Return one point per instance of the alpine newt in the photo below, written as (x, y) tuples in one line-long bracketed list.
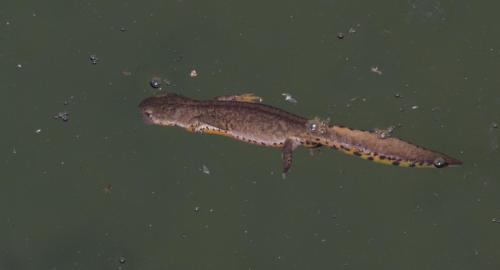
[(245, 119)]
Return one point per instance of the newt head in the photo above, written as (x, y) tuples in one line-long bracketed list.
[(149, 110), (163, 109)]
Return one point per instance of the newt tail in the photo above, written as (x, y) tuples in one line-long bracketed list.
[(390, 151)]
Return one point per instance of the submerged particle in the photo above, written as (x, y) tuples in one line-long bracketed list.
[(38, 131), (317, 125), (155, 83), (126, 72), (108, 189), (289, 98), (122, 260), (494, 125), (383, 133), (439, 162), (93, 59), (168, 82), (178, 58), (376, 69), (193, 73), (340, 35), (196, 209), (205, 169), (69, 100), (397, 95), (414, 107), (312, 127), (64, 116)]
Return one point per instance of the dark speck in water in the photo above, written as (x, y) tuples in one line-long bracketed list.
[(93, 59), (155, 83)]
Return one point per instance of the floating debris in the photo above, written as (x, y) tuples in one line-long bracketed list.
[(350, 31), (64, 116), (376, 69), (122, 260), (178, 58), (493, 136), (196, 209), (318, 126), (289, 98), (69, 100), (167, 82), (126, 72), (155, 82), (108, 188), (385, 132), (193, 73), (19, 66), (496, 220), (93, 59), (38, 131), (205, 169), (397, 95), (414, 107)]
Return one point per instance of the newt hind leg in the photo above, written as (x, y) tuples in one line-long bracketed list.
[(287, 153), (246, 97)]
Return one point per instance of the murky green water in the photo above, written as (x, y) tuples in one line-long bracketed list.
[(104, 191)]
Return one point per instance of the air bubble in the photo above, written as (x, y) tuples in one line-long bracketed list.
[(122, 260), (155, 83), (439, 162)]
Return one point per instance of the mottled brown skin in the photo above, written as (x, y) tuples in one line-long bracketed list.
[(265, 125)]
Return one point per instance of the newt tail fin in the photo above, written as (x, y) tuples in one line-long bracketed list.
[(371, 146)]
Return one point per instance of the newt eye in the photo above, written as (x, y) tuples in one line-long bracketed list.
[(149, 114)]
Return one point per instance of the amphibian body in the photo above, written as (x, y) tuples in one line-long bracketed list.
[(245, 119)]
